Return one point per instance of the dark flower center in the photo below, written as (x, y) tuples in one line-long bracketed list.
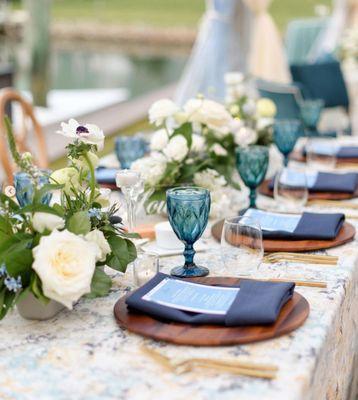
[(82, 131)]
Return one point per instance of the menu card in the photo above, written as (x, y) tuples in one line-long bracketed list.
[(192, 297), (270, 221), (324, 149)]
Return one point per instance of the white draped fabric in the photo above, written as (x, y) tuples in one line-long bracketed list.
[(221, 46), (267, 59)]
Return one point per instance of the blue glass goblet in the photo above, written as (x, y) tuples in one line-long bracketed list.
[(25, 187), (310, 111), (252, 164), (285, 135), (188, 212), (129, 149)]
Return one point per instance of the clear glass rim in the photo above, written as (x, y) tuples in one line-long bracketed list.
[(202, 192), (233, 221)]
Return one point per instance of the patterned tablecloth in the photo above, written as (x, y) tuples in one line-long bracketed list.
[(83, 354)]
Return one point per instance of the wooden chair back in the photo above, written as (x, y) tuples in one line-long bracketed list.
[(29, 125)]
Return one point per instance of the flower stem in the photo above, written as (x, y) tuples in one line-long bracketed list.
[(93, 178)]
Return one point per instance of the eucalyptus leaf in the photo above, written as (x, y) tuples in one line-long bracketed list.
[(79, 223)]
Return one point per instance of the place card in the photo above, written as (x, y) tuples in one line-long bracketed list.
[(270, 221), (192, 297), (294, 178), (324, 149)]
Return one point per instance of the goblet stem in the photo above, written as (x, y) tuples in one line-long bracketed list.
[(189, 253), (286, 160), (253, 198), (130, 212)]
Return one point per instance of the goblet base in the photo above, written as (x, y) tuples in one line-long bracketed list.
[(189, 272)]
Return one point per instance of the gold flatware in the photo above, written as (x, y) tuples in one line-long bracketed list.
[(298, 282), (266, 371), (304, 258), (334, 203)]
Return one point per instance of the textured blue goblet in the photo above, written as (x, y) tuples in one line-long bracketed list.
[(285, 135), (252, 163), (129, 149), (25, 187), (310, 111), (188, 212)]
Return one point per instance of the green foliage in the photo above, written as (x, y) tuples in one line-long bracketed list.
[(79, 223), (123, 252), (101, 284)]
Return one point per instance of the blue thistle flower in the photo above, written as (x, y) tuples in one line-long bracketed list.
[(3, 270), (13, 284), (94, 213)]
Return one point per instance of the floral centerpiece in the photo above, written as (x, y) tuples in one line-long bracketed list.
[(58, 252)]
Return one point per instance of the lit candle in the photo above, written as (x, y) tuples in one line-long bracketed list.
[(127, 178)]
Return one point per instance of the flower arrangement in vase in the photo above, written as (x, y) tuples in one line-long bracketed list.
[(58, 252)]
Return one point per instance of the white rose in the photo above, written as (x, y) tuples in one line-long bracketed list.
[(159, 140), (65, 264), (218, 150), (151, 168), (210, 113), (88, 133), (160, 110), (177, 148), (245, 136), (233, 78), (42, 221), (198, 143), (97, 237)]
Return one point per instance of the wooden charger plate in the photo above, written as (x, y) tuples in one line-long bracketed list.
[(298, 156), (293, 315), (266, 191), (346, 234)]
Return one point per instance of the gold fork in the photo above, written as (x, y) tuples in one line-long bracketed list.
[(266, 371), (304, 258)]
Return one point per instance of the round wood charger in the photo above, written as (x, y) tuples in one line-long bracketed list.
[(298, 156), (346, 234), (292, 315), (266, 191)]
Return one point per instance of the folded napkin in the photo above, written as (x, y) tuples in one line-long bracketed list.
[(316, 226), (106, 175), (342, 152), (257, 303), (331, 182)]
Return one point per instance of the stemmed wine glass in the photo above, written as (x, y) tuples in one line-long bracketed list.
[(188, 212), (285, 135), (252, 164), (310, 111), (129, 149), (25, 187)]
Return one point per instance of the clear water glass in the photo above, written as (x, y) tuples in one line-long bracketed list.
[(241, 246), (310, 111), (188, 213), (145, 267), (286, 133), (291, 189), (132, 186), (25, 187), (252, 163), (321, 154), (129, 149)]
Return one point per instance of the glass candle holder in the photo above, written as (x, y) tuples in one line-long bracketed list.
[(188, 212), (132, 186), (145, 267), (130, 148), (252, 164), (25, 187), (286, 133)]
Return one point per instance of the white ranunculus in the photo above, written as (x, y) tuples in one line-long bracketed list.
[(97, 237), (82, 163), (68, 176), (65, 264), (151, 168), (266, 108), (159, 140), (209, 179), (210, 113), (161, 110), (218, 150), (198, 143), (177, 148), (42, 221), (181, 117), (249, 107), (233, 78), (245, 136), (88, 133)]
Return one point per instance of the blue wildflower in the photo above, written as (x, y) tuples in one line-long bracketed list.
[(3, 270), (13, 284), (94, 213)]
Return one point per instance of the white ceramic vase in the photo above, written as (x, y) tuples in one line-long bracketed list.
[(31, 308)]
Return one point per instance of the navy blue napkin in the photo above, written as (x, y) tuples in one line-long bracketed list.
[(257, 303), (314, 226), (331, 182), (106, 175), (348, 152)]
